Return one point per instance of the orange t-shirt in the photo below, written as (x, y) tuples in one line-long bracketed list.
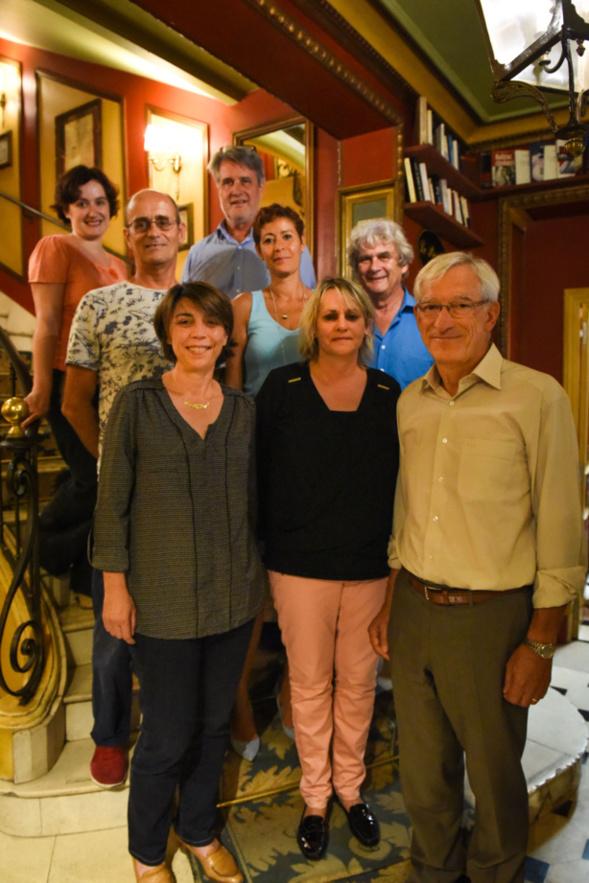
[(57, 259)]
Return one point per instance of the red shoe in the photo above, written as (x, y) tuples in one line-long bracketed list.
[(108, 767)]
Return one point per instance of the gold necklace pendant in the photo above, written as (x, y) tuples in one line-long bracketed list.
[(197, 406)]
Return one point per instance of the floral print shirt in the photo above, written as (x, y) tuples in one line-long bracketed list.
[(113, 334)]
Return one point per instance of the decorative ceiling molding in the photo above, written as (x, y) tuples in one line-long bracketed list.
[(340, 29), (290, 28)]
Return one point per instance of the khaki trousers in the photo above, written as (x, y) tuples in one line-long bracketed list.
[(324, 625), (448, 666)]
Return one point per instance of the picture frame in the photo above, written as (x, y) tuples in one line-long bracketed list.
[(78, 137), (6, 149), (361, 204), (187, 217)]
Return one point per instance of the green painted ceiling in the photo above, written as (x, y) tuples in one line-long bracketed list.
[(449, 34)]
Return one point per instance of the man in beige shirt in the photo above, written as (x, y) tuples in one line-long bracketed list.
[(486, 553)]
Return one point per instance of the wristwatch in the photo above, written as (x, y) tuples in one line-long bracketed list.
[(546, 651)]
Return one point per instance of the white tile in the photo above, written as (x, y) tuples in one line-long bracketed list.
[(74, 813), (26, 859), (569, 872), (94, 857), (556, 839), (574, 655), (583, 633)]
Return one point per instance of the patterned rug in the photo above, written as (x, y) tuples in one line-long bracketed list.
[(262, 805)]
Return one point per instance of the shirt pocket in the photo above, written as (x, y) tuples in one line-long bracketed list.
[(492, 471)]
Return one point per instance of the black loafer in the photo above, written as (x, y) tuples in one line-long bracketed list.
[(313, 836), (364, 824)]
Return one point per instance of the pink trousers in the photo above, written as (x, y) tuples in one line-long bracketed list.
[(324, 625)]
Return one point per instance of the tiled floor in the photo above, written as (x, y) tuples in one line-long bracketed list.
[(558, 852)]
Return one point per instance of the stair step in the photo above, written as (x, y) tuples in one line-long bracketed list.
[(79, 719), (77, 625), (64, 801)]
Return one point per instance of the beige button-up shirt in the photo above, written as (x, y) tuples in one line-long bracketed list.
[(488, 490)]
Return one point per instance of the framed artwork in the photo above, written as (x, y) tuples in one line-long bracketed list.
[(187, 218), (78, 137), (5, 150), (362, 204)]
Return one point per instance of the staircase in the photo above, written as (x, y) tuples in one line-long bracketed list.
[(65, 800)]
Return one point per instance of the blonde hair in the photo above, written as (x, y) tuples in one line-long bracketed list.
[(308, 346)]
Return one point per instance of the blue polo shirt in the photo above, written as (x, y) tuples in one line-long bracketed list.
[(401, 352), (233, 266)]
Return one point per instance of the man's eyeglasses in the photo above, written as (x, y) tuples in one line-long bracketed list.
[(458, 309), (142, 225)]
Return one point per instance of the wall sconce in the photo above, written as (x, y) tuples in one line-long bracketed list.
[(161, 151), (533, 39)]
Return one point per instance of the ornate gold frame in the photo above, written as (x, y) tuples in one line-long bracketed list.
[(349, 199)]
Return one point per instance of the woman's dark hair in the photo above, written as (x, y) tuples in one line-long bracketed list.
[(270, 212), (214, 304), (67, 190)]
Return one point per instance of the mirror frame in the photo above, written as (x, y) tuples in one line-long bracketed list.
[(246, 134)]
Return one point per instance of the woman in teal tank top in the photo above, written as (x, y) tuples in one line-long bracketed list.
[(266, 335), (267, 322)]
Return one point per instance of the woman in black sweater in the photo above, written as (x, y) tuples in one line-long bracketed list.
[(328, 457)]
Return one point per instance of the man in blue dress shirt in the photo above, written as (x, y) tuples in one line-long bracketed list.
[(380, 255), (227, 258)]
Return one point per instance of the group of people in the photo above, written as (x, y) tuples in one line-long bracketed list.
[(439, 526)]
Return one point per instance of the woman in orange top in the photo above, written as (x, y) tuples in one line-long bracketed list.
[(62, 269)]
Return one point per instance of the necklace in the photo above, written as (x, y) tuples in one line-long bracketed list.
[(285, 315), (196, 405)]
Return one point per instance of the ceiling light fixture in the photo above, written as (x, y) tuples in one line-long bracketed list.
[(532, 40)]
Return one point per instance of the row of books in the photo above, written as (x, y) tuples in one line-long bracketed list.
[(428, 130), (422, 187), (541, 161)]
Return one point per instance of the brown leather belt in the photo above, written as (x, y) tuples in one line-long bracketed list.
[(449, 597)]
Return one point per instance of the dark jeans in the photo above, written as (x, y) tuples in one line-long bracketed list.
[(111, 678), (65, 522), (187, 692)]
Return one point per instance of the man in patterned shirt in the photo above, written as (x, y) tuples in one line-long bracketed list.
[(112, 343)]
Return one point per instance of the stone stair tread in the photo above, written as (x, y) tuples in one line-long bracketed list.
[(74, 618), (70, 775), (80, 686)]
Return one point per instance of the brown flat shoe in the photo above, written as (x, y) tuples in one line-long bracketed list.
[(218, 865), (157, 874)]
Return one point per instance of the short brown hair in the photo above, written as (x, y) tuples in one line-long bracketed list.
[(269, 213), (213, 303), (67, 190)]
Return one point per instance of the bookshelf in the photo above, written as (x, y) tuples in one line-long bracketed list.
[(439, 165), (432, 216)]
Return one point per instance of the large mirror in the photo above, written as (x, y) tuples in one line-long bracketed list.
[(286, 152)]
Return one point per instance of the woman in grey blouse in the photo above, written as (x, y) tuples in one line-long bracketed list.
[(183, 580)]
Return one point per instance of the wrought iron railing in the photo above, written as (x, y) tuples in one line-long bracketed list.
[(26, 655)]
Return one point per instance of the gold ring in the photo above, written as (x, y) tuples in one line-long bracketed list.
[(534, 701)]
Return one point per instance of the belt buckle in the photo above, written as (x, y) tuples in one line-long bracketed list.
[(426, 590)]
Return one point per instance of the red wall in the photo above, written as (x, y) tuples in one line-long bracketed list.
[(137, 93), (555, 258)]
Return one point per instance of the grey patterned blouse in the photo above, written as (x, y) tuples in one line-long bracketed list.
[(175, 513)]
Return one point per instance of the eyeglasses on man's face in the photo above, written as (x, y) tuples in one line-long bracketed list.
[(142, 225), (458, 309)]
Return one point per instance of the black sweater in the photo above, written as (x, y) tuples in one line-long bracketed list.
[(326, 478)]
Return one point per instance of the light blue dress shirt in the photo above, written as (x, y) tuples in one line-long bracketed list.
[(233, 266)]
